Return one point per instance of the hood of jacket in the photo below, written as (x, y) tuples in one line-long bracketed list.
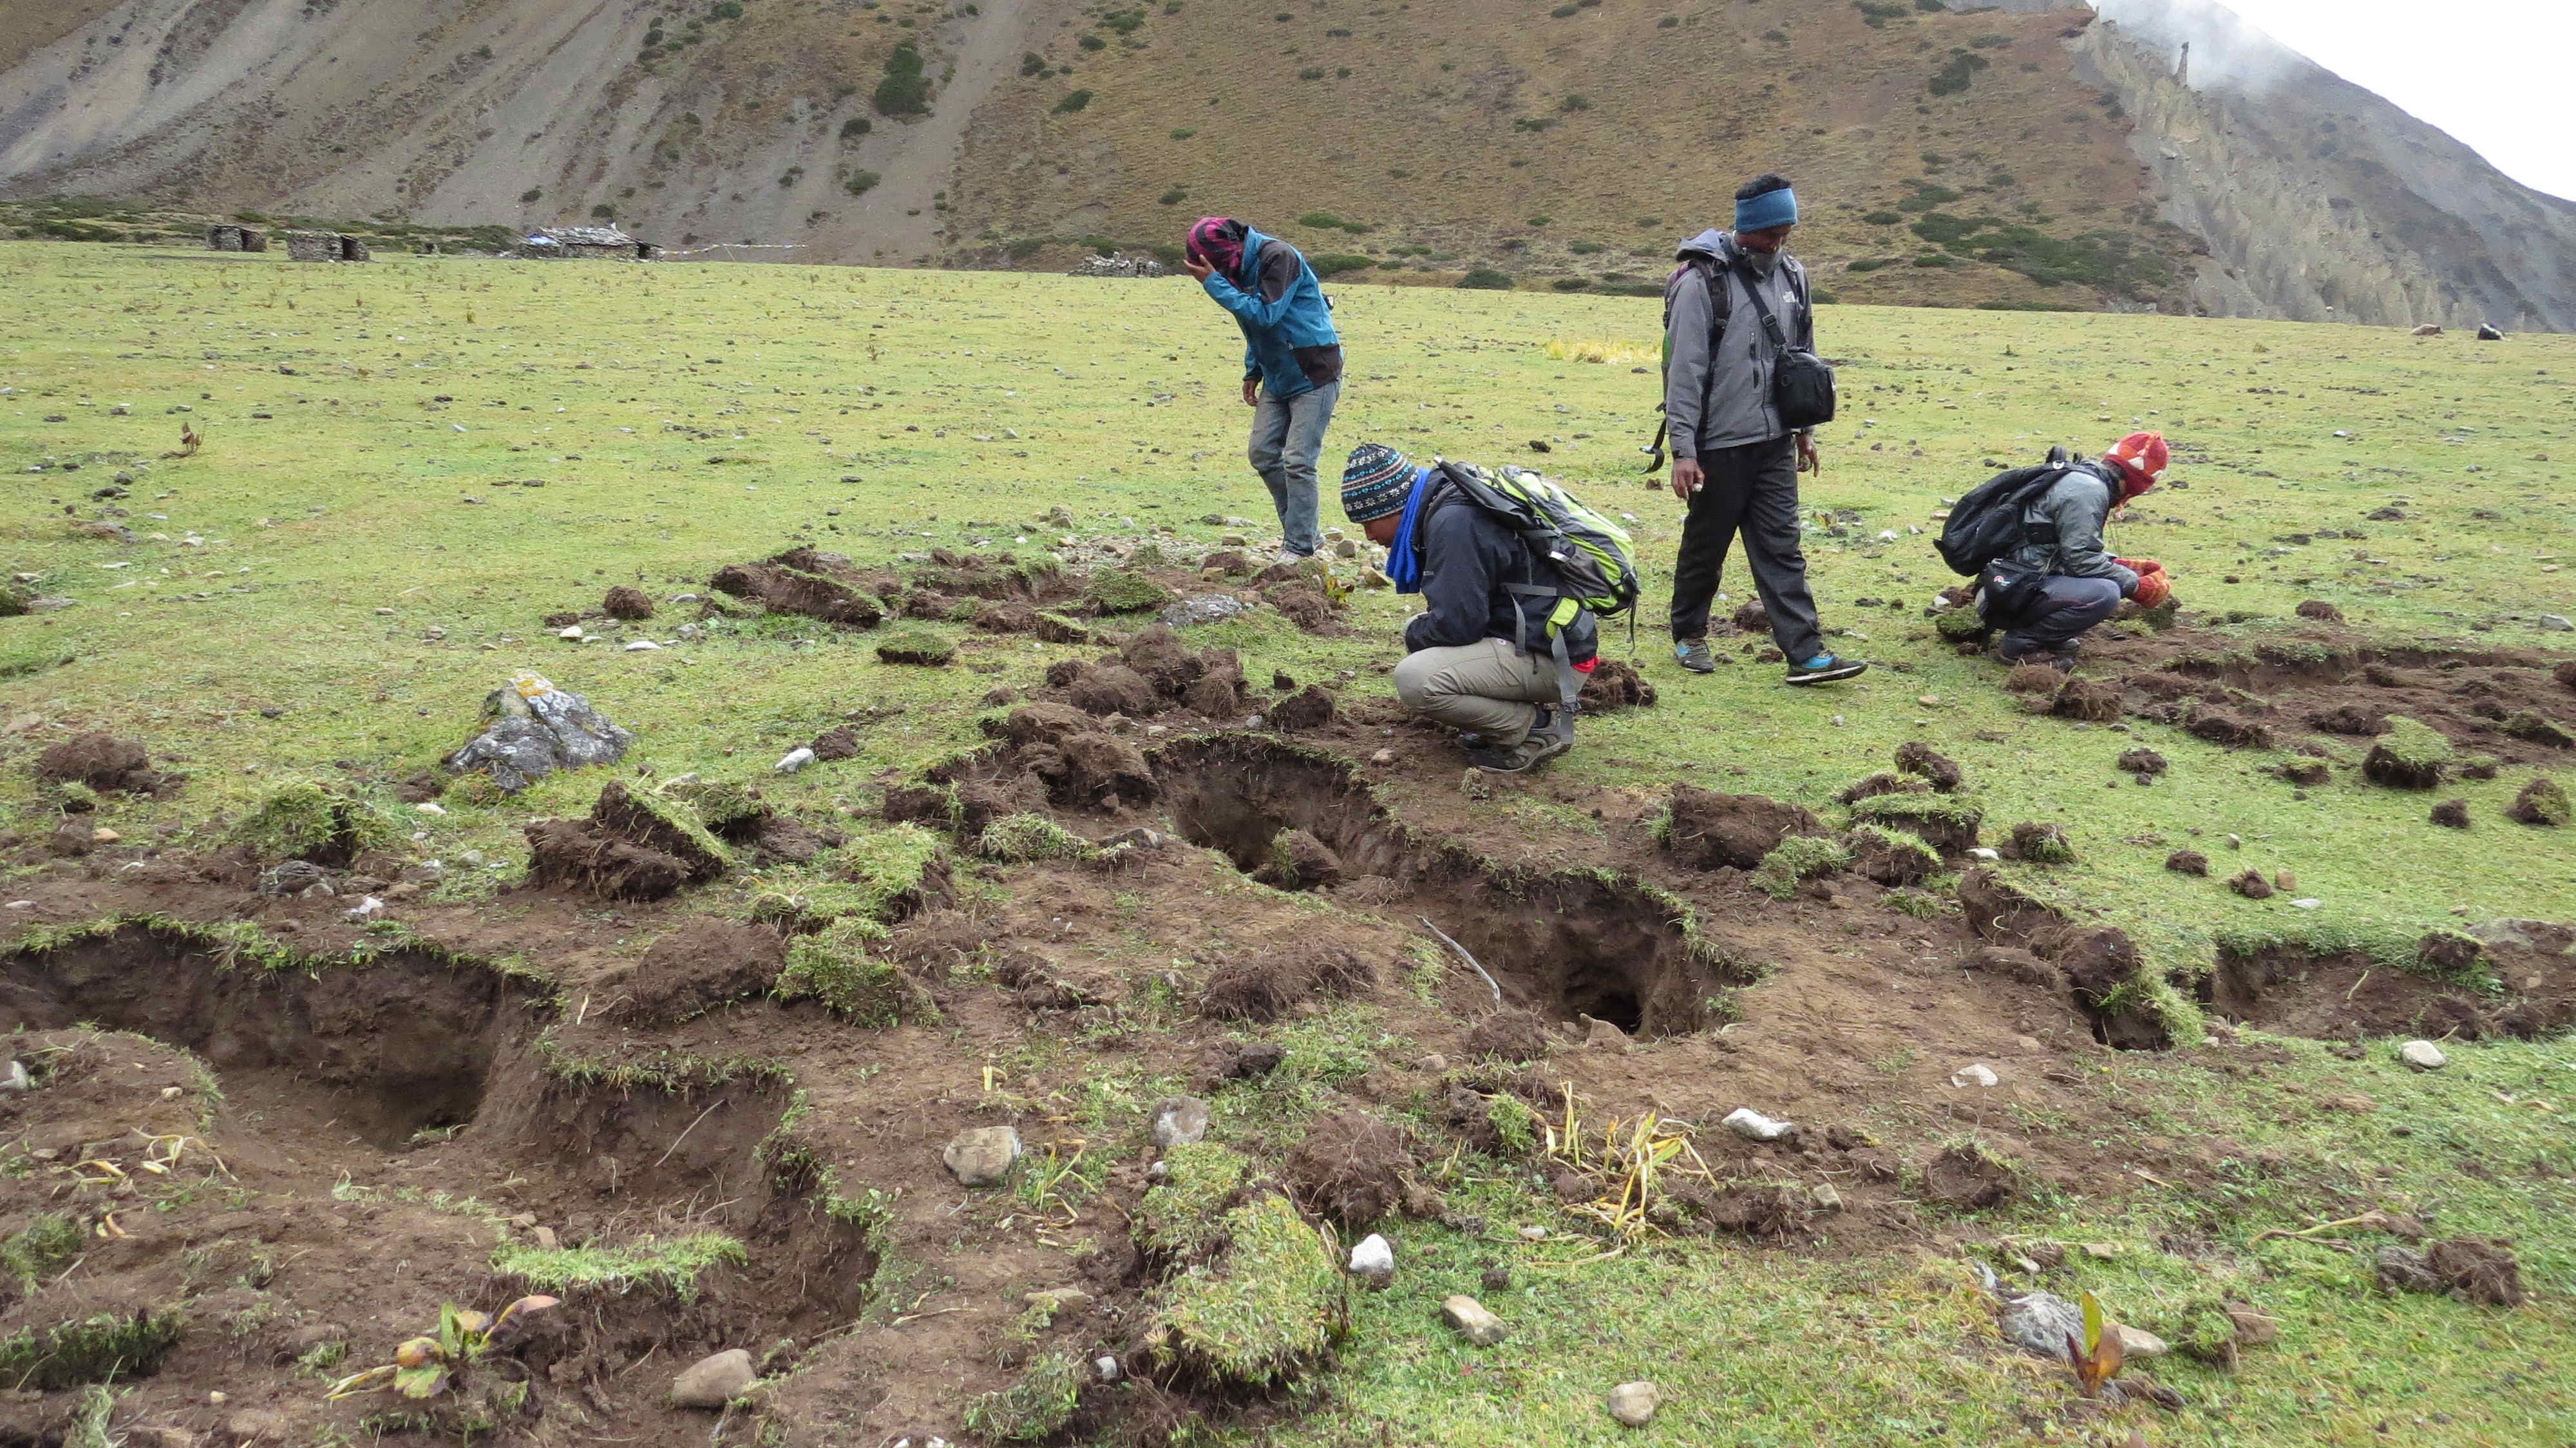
[(1718, 246), (1248, 276)]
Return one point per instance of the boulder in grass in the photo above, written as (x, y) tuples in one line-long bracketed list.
[(531, 729)]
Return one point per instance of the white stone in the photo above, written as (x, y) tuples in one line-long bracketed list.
[(712, 1381), (639, 646), (795, 759), (15, 1078), (2557, 623), (1752, 1125), (1635, 1403), (982, 1156), (2423, 1056), (1983, 853), (1105, 1368), (571, 631), (1373, 1260), (430, 807), (1974, 1075), (366, 909), (2137, 1342), (1180, 1121), (1825, 1197)]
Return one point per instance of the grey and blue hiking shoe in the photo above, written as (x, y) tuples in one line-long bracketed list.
[(1693, 654), (1825, 669), (1553, 736)]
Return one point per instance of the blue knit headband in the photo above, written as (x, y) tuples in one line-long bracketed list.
[(1770, 209)]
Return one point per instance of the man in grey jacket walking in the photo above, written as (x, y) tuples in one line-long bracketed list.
[(1734, 464)]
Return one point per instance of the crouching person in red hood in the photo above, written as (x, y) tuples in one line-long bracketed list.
[(1490, 654), (2075, 583)]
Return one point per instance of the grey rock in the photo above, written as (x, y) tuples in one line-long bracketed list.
[(1472, 1320), (1206, 608), (2402, 1269), (1635, 1403), (531, 729), (1179, 1121), (2423, 1056), (2137, 1342), (1752, 1125), (1975, 1074), (1603, 1035), (2558, 623), (982, 1156), (1373, 1260), (15, 1078), (295, 877), (796, 759), (713, 1381), (50, 603), (2040, 1323), (1105, 1368), (1825, 1197)]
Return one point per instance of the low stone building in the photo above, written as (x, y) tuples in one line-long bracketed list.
[(226, 236), (312, 246), (570, 242)]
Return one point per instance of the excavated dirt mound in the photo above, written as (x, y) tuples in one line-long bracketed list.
[(801, 581), (623, 851), (2348, 995), (1969, 1179), (1613, 685), (1351, 1167), (701, 965), (1083, 765), (101, 761)]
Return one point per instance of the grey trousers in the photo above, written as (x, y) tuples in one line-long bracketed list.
[(1752, 490), (1287, 438), (1487, 686), (2064, 610)]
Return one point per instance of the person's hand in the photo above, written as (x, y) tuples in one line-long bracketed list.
[(1252, 392), (1197, 268), (2153, 588), (2140, 565), (1687, 478), (1808, 462)]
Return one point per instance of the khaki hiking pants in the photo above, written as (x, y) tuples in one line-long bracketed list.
[(1487, 686)]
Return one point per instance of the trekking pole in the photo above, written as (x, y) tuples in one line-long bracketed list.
[(1463, 955)]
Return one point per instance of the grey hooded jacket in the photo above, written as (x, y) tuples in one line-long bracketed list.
[(1739, 406), (2063, 527)]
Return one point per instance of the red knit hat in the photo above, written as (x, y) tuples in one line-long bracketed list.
[(2141, 459)]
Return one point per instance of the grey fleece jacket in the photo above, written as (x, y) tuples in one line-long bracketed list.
[(1739, 406), (2064, 529)]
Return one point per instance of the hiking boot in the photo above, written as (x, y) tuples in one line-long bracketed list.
[(2063, 663), (1291, 555), (1825, 669), (1553, 736), (1693, 654)]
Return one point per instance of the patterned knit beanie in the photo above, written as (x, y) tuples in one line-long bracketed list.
[(2141, 459), (1376, 482)]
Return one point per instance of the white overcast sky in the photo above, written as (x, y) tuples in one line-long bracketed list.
[(2493, 73)]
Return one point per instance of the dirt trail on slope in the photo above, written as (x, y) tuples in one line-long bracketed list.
[(899, 222)]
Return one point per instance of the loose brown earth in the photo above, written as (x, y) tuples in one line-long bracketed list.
[(1254, 879)]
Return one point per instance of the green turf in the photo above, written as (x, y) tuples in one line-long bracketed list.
[(312, 596)]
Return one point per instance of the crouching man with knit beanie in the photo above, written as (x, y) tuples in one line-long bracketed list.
[(2081, 583), (1463, 664)]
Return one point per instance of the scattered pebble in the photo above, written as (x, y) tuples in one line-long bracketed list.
[(1634, 1403), (1752, 1125), (1180, 1121), (1472, 1320), (367, 908), (430, 807), (981, 1156), (2423, 1056), (1373, 1260), (795, 759), (713, 1381), (2137, 1342), (638, 646), (15, 1078), (1974, 1075)]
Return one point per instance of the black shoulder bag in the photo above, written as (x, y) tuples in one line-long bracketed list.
[(1802, 386)]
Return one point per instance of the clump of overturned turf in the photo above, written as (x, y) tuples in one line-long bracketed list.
[(1311, 707), (102, 762), (1614, 685), (1084, 766), (2565, 674), (2410, 755), (1796, 860), (2251, 885), (1020, 838), (1947, 823), (94, 1349), (1299, 861), (1890, 857), (1264, 1311), (2452, 814), (2087, 700), (2040, 843), (2227, 730), (668, 825), (1260, 988), (628, 602), (2306, 772), (917, 646), (1963, 626), (1707, 830), (2352, 719), (1877, 784), (673, 1267), (2541, 802), (1351, 1168), (1034, 1408), (2033, 679), (1120, 590), (2143, 762), (1182, 1217), (694, 969), (2187, 862), (301, 819), (634, 846), (2533, 728), (802, 581), (1918, 758), (838, 968), (1968, 1176), (1515, 1036)]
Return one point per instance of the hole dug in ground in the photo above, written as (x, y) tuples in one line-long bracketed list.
[(1567, 943), (2506, 979), (273, 1171)]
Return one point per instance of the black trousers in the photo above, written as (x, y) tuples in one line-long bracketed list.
[(1752, 490)]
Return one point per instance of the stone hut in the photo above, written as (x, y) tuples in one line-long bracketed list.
[(570, 242), (225, 236), (312, 246), (352, 249)]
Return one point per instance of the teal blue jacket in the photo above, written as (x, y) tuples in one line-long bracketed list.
[(1288, 337)]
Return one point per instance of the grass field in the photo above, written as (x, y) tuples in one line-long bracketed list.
[(353, 559)]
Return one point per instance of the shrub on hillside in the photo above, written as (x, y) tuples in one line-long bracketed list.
[(1336, 263), (905, 91), (1072, 102), (1485, 279)]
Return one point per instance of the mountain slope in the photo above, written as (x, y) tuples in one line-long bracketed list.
[(2021, 156)]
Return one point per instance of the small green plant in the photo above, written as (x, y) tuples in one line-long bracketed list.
[(424, 1367), (1018, 839), (1073, 101), (861, 182), (2096, 1356), (48, 1242), (904, 91), (1333, 264), (1033, 1408), (855, 127), (1514, 1122)]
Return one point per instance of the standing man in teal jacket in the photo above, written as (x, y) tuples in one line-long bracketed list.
[(1292, 362)]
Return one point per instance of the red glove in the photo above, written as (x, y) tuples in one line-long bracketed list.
[(2153, 588), (2140, 565)]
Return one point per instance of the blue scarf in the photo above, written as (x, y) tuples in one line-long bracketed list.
[(1404, 557)]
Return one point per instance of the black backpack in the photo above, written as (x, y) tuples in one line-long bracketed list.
[(1986, 524), (1721, 303)]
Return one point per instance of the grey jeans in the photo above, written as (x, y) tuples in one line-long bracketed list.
[(2065, 609), (1750, 491), (1287, 438), (1487, 686)]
